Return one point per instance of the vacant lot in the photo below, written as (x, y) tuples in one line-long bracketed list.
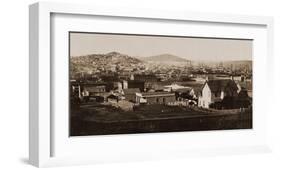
[(99, 119)]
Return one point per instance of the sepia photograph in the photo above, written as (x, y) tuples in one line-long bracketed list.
[(138, 83)]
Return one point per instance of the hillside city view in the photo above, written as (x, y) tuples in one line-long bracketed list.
[(116, 93), (127, 84)]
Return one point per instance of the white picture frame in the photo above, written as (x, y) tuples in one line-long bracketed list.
[(41, 130)]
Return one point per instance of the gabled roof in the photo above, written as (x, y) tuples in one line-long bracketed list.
[(221, 85), (131, 90)]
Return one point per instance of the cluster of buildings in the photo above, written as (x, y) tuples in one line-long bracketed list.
[(134, 91), (218, 93)]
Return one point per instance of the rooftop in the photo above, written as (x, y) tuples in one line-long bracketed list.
[(175, 86), (131, 90), (219, 85), (152, 94)]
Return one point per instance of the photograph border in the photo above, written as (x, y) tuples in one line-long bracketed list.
[(40, 67)]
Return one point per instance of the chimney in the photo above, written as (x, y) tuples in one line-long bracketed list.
[(242, 78)]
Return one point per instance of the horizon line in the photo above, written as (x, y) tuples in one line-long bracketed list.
[(138, 57)]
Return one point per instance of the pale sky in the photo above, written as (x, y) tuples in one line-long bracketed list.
[(144, 46)]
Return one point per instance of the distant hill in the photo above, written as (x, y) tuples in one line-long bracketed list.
[(109, 58), (164, 58), (93, 62)]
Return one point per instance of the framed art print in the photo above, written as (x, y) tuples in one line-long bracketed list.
[(115, 85)]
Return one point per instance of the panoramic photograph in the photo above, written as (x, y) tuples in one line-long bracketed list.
[(132, 83)]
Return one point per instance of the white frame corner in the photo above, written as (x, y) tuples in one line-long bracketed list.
[(40, 62)]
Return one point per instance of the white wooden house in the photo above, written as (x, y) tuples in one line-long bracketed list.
[(215, 91)]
